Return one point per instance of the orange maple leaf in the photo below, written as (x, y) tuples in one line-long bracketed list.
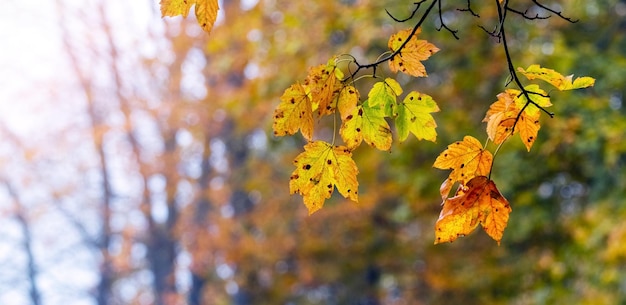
[(410, 58), (467, 159), (477, 202), (501, 118), (324, 81)]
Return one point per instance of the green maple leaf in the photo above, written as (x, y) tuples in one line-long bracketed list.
[(414, 115), (384, 93), (366, 123)]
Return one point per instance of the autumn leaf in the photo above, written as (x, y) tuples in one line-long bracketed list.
[(414, 116), (501, 116), (321, 168), (347, 101), (366, 123), (324, 83), (467, 159), (410, 58), (206, 10), (384, 93), (556, 79), (477, 202), (537, 96), (294, 113)]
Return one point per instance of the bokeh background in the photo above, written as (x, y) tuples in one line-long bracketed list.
[(138, 166)]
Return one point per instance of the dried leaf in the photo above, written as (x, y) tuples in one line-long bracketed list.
[(478, 202)]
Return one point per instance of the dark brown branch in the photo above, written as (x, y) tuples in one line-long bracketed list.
[(526, 15), (375, 64), (558, 13), (469, 9), (502, 17), (444, 26), (417, 7)]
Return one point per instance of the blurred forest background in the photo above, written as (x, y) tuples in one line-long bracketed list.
[(138, 166)]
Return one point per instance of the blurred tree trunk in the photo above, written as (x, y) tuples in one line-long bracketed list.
[(31, 266), (96, 122)]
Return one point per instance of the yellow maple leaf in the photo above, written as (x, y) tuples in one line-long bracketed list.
[(478, 202), (324, 81), (410, 58), (537, 96), (176, 7), (467, 159), (347, 101), (366, 123), (414, 116), (321, 168), (556, 79), (206, 10), (294, 113)]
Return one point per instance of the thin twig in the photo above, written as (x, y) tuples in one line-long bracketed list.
[(417, 7), (444, 26), (526, 15), (558, 13), (469, 9)]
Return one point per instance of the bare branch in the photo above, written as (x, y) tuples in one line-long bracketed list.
[(417, 7), (526, 15), (444, 26), (558, 13), (469, 9)]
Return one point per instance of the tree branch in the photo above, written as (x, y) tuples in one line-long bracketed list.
[(417, 7), (469, 9), (558, 13), (396, 52), (502, 33), (444, 26)]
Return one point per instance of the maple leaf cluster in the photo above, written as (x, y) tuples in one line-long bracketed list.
[(326, 91), (477, 199)]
